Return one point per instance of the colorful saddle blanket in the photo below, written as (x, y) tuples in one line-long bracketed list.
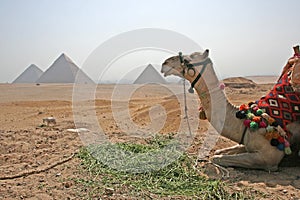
[(282, 103)]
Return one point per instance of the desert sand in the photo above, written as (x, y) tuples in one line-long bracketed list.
[(38, 162)]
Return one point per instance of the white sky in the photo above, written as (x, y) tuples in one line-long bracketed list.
[(244, 37)]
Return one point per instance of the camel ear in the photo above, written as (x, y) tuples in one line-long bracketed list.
[(296, 49), (205, 53)]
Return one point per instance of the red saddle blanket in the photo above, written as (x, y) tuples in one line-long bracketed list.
[(282, 103)]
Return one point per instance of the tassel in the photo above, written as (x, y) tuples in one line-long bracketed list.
[(191, 90), (202, 114)]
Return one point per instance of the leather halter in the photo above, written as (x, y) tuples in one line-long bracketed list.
[(190, 66)]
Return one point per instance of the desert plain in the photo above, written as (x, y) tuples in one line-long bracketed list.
[(39, 161)]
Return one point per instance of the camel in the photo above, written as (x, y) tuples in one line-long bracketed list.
[(253, 150)]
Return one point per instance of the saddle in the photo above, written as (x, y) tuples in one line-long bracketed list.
[(283, 101)]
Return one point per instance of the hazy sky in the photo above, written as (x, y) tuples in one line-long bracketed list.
[(244, 37)]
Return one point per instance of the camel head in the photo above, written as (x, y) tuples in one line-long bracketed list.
[(181, 65)]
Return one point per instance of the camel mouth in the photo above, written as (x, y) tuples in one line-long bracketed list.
[(165, 70), (168, 71)]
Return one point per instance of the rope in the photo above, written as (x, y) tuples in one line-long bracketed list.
[(224, 171), (185, 108), (218, 167), (36, 171)]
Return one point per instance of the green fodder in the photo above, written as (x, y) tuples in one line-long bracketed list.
[(133, 170)]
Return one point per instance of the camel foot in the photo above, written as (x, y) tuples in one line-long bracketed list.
[(236, 149)]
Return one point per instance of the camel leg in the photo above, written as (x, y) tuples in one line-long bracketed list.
[(245, 160), (236, 149)]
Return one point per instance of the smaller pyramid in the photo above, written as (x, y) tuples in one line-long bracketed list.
[(64, 70), (30, 75), (149, 75)]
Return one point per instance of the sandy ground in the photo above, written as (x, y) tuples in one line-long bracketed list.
[(38, 163)]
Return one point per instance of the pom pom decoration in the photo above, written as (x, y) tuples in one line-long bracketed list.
[(262, 124), (276, 135), (255, 109), (280, 139), (267, 117), (222, 86), (244, 107), (286, 143), (253, 105), (250, 115), (256, 119), (270, 129), (241, 114), (287, 151), (280, 146), (247, 122), (274, 142), (253, 126), (259, 112)]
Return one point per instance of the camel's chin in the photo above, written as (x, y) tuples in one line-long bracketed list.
[(166, 75), (172, 74)]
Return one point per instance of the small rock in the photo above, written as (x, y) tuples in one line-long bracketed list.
[(271, 184), (67, 184), (78, 130), (58, 174), (242, 183), (109, 191), (284, 191)]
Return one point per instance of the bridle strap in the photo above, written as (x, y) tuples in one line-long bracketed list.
[(243, 135), (204, 63), (188, 65)]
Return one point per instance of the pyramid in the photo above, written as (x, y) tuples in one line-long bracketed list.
[(30, 75), (149, 75), (64, 70)]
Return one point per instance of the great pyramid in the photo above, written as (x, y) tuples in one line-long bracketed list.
[(64, 70), (149, 75), (30, 75)]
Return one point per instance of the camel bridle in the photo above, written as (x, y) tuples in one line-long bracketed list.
[(190, 67)]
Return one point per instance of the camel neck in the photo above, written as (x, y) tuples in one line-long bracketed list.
[(219, 111)]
